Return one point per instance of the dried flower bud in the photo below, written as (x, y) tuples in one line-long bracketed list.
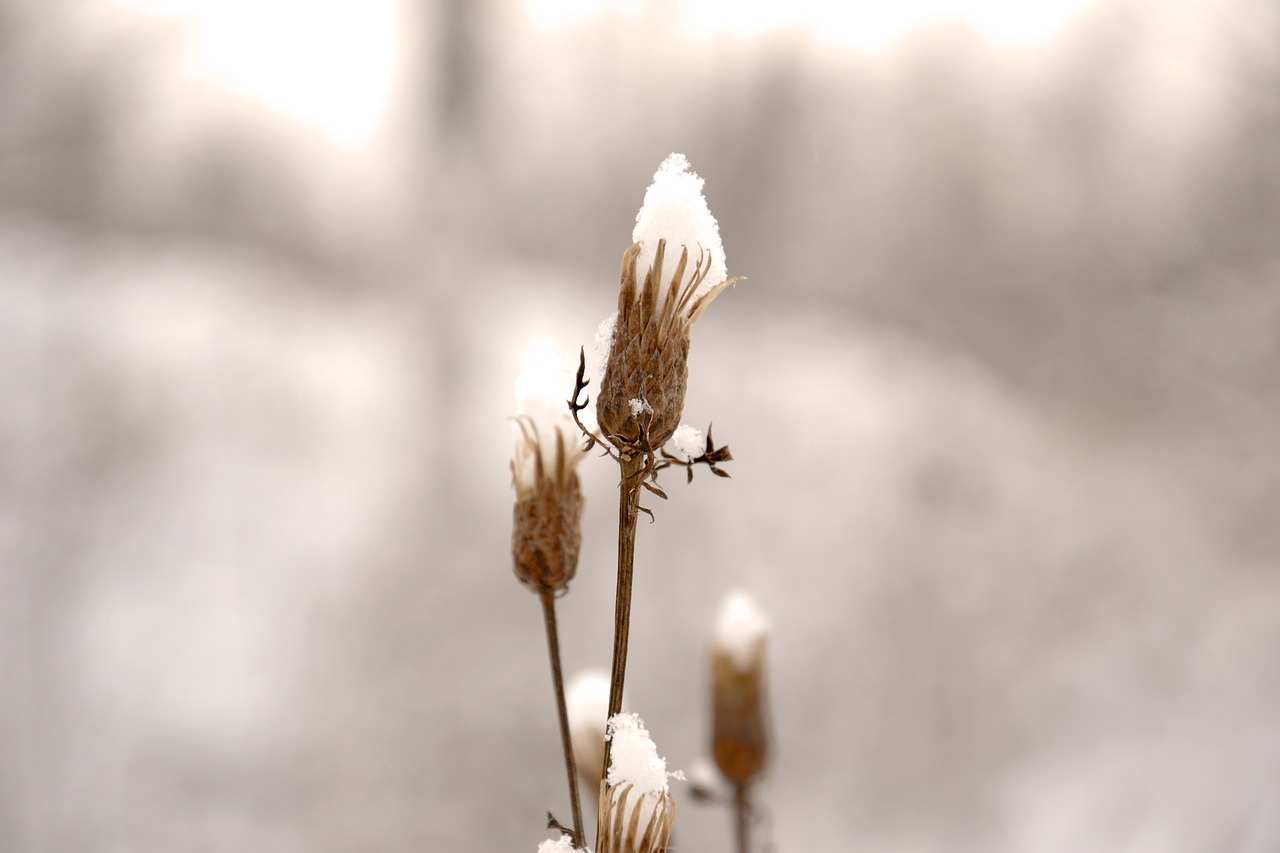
[(547, 528), (546, 532), (636, 806), (646, 371), (740, 726)]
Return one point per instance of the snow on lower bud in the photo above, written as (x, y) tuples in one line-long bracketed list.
[(564, 844), (634, 756)]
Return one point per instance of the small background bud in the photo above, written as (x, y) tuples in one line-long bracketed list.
[(739, 721)]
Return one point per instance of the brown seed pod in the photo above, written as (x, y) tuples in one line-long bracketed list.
[(546, 534), (740, 734), (642, 393)]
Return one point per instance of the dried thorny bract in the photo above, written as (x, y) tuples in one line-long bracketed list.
[(547, 530), (580, 400)]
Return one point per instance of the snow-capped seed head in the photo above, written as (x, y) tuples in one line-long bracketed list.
[(740, 730), (636, 806), (670, 274), (547, 520), (587, 701), (563, 844)]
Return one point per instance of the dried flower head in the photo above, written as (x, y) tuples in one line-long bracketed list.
[(636, 806), (672, 271), (547, 528), (740, 727)]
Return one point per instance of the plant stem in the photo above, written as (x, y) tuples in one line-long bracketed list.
[(742, 809), (557, 676), (632, 472)]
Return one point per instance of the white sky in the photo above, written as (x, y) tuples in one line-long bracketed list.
[(861, 24), (330, 63), (327, 63)]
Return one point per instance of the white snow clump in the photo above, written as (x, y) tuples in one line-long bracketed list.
[(740, 629), (563, 844), (634, 756), (688, 442), (675, 209)]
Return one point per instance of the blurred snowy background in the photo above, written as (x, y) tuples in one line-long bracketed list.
[(1001, 388)]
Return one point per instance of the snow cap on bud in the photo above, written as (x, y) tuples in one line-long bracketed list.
[(547, 526), (636, 806), (563, 844), (675, 210), (739, 726), (673, 270)]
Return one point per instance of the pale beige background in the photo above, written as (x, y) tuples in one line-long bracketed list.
[(1001, 388)]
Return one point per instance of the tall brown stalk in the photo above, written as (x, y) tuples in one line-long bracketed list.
[(629, 485)]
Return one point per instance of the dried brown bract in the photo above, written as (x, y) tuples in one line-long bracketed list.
[(633, 822)]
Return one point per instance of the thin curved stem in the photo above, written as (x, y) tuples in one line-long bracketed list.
[(557, 676)]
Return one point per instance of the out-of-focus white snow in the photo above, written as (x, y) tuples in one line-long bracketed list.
[(541, 392), (587, 701), (740, 629)]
